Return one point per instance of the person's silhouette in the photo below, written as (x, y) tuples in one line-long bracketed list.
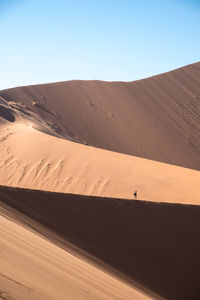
[(135, 194)]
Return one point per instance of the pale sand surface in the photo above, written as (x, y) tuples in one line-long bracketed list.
[(34, 268), (32, 159)]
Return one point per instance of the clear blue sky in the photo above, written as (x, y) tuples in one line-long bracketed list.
[(45, 40)]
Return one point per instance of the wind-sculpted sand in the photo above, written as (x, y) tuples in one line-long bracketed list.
[(32, 159), (33, 267), (69, 143), (156, 118), (152, 246)]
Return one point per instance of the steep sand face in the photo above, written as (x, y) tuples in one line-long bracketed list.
[(150, 245), (32, 159), (156, 118), (153, 246), (34, 268)]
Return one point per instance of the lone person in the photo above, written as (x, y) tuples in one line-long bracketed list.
[(135, 194)]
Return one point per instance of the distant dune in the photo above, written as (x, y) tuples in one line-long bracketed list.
[(152, 246), (69, 143), (156, 118)]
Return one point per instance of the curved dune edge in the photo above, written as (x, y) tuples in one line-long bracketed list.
[(32, 159), (155, 118), (33, 268), (154, 246)]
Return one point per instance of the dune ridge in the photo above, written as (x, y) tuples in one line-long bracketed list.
[(72, 155), (126, 117), (152, 245), (32, 159), (33, 267)]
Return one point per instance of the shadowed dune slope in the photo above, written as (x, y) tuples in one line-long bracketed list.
[(32, 159), (153, 246), (156, 118), (34, 268)]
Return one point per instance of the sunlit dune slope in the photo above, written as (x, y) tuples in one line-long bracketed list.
[(150, 245), (32, 159), (156, 118), (33, 268)]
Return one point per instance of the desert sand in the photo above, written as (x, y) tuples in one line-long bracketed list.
[(32, 159), (152, 246), (72, 155), (34, 268), (155, 118)]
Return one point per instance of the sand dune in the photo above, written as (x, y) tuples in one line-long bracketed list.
[(32, 159), (34, 268), (153, 246), (101, 139), (156, 118)]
